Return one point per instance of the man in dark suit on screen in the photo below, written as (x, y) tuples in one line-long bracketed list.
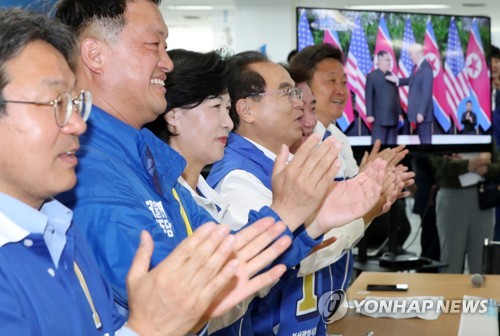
[(469, 119), (420, 106), (383, 107)]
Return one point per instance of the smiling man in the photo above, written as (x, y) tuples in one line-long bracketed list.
[(267, 112), (128, 178), (49, 282)]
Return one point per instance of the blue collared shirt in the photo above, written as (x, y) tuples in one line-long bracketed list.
[(53, 220)]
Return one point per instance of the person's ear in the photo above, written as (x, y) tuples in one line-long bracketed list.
[(172, 119), (244, 110), (91, 54)]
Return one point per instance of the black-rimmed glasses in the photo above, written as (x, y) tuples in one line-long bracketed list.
[(63, 106)]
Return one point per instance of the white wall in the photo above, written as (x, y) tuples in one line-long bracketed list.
[(269, 22), (247, 25), (197, 38)]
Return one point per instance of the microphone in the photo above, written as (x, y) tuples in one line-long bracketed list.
[(477, 280)]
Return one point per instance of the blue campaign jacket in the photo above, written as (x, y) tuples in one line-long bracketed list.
[(125, 182), (33, 302), (283, 309)]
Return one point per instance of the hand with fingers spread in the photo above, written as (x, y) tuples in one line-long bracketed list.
[(396, 179), (205, 276), (407, 178), (352, 199), (388, 196), (171, 298), (392, 156), (255, 249), (300, 186)]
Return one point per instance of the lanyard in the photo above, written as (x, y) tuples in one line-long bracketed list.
[(83, 283), (183, 213)]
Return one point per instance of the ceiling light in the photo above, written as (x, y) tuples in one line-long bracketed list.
[(391, 7)]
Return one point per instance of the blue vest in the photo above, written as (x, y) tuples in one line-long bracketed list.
[(294, 309)]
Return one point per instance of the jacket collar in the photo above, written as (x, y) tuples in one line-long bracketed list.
[(140, 149)]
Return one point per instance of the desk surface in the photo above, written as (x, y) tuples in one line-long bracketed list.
[(450, 286)]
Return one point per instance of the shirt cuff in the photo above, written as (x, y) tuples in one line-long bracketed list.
[(126, 331), (306, 239)]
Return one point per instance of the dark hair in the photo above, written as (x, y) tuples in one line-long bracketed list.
[(468, 101), (291, 55), (495, 52), (299, 75), (196, 77), (309, 57), (80, 14), (243, 81), (382, 53), (18, 28)]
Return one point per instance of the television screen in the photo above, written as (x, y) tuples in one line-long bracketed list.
[(448, 111)]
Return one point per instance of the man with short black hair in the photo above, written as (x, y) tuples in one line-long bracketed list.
[(383, 108), (128, 178), (266, 111), (469, 119), (49, 281)]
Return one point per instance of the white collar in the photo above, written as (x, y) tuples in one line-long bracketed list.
[(267, 152)]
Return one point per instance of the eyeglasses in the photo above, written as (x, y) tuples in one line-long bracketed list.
[(63, 106), (292, 93)]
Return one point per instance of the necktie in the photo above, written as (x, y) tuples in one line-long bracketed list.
[(327, 134)]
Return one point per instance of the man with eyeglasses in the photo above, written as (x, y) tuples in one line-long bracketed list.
[(128, 178), (266, 111), (49, 281)]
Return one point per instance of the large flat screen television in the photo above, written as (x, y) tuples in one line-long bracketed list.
[(457, 48)]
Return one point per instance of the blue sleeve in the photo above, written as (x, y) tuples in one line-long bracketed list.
[(111, 215), (404, 81), (12, 320), (301, 246)]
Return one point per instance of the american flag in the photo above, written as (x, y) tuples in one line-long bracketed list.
[(455, 74), (405, 63), (359, 64), (305, 36), (331, 37), (477, 71), (433, 56)]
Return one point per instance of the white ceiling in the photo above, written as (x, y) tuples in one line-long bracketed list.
[(193, 18)]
